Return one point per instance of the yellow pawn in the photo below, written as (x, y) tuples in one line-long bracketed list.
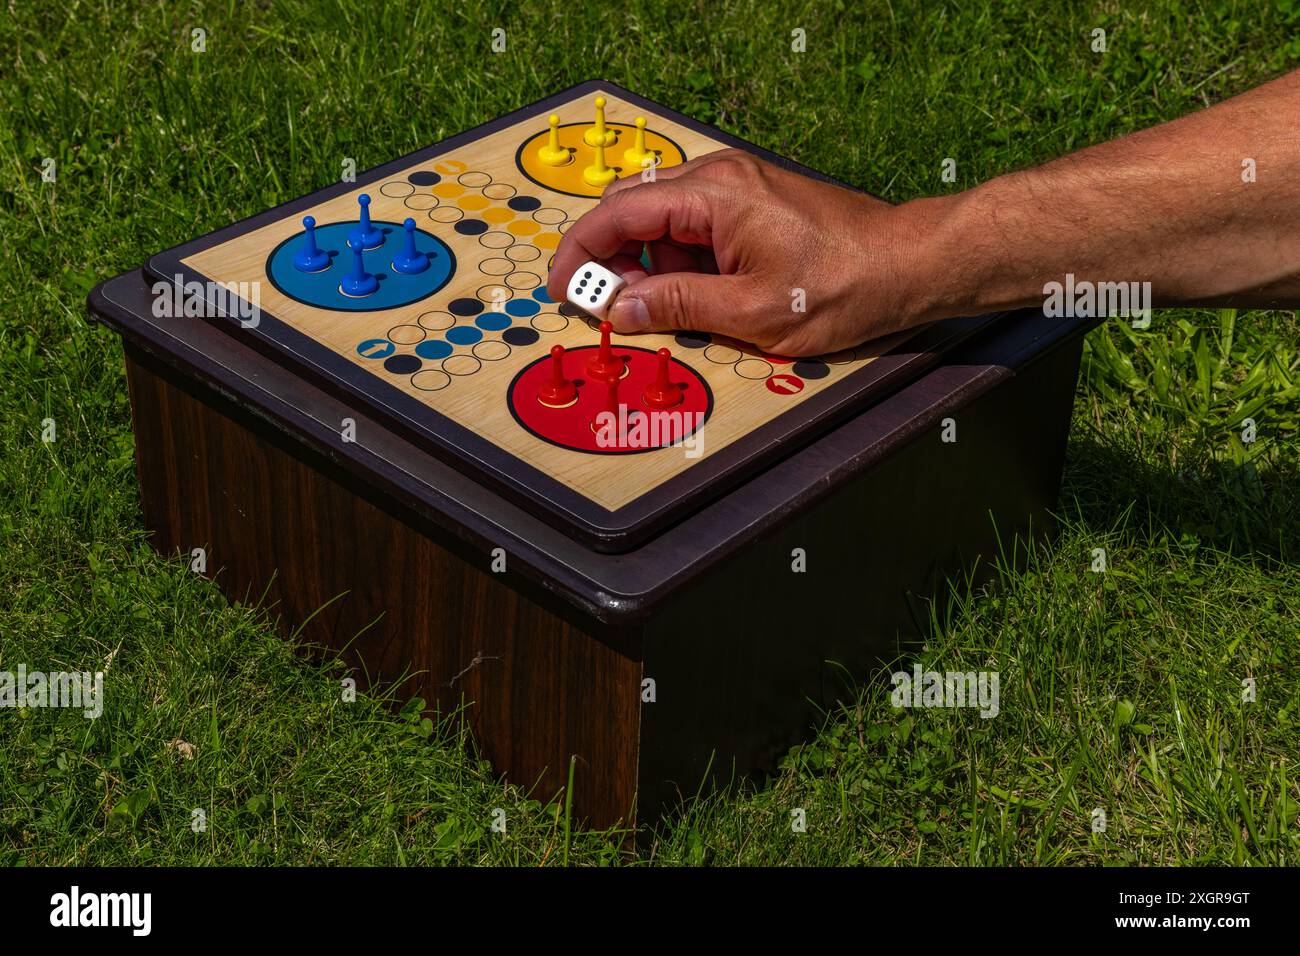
[(598, 174), (598, 135), (637, 155), (553, 154)]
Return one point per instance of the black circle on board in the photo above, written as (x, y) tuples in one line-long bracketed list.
[(811, 369), (471, 227), (424, 177), (402, 364), (692, 340), (525, 203), (571, 310), (518, 335), (465, 307)]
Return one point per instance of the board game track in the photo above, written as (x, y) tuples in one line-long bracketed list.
[(440, 353)]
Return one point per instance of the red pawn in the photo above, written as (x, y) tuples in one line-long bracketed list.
[(558, 391), (598, 421), (605, 366), (662, 392)]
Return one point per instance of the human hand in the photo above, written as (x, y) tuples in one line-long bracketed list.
[(732, 239)]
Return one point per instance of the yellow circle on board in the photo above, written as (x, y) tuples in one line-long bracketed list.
[(547, 240), (568, 178), (473, 202), (524, 227), (448, 190), (497, 215)]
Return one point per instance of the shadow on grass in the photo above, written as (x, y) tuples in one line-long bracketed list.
[(1249, 510)]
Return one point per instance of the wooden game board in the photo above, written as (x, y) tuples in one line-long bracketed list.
[(449, 356)]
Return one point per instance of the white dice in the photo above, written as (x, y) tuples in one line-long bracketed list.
[(593, 288)]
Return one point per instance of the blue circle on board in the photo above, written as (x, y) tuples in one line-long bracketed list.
[(376, 348), (463, 335), (433, 349), (522, 308), (321, 289), (492, 321), (540, 295)]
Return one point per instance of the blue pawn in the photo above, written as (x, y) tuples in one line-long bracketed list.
[(358, 282), (410, 260), (309, 258), (366, 236)]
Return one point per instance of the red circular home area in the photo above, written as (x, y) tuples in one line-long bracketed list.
[(633, 427)]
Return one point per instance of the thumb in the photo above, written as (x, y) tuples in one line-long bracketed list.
[(684, 302)]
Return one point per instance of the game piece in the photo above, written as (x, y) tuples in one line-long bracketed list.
[(369, 237), (410, 261), (598, 174), (557, 391), (553, 154), (662, 392), (309, 258), (605, 366), (593, 288), (358, 282), (599, 135), (637, 156), (598, 421)]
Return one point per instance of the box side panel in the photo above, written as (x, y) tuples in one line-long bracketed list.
[(748, 659), (399, 599)]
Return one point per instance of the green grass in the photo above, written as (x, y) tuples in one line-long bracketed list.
[(1120, 690)]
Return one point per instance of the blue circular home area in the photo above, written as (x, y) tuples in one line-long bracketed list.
[(323, 288)]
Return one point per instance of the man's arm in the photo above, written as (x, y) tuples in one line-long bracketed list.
[(733, 238), (1167, 205)]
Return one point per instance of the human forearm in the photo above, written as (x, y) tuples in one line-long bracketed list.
[(799, 267), (1168, 205)]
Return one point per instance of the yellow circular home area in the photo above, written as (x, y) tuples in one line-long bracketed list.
[(568, 179)]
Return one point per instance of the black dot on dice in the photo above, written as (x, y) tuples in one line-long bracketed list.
[(812, 369), (402, 364), (471, 227), (424, 177), (524, 203), (586, 275), (593, 298), (465, 307), (520, 336)]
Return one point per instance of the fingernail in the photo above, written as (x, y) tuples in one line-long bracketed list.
[(630, 315)]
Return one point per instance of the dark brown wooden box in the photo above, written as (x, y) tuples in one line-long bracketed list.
[(551, 657)]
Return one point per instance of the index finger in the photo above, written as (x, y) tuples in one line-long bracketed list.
[(677, 209)]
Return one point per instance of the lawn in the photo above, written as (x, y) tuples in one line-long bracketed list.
[(1121, 690)]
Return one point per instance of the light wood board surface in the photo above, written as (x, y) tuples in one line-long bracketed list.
[(504, 263)]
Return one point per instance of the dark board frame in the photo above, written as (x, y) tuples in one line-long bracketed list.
[(560, 506), (616, 589)]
